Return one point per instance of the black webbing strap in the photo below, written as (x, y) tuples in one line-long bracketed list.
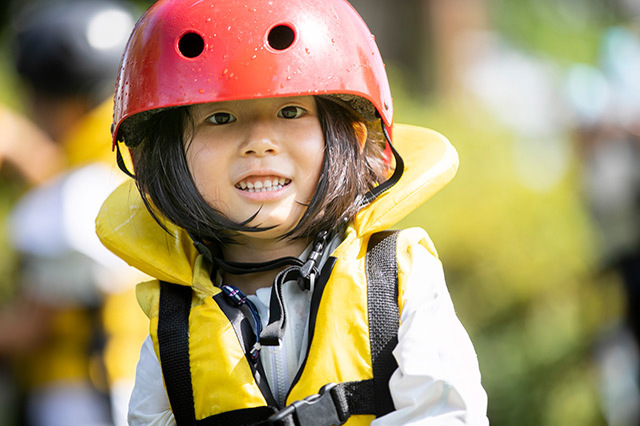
[(359, 396), (173, 342), (384, 316), (241, 417)]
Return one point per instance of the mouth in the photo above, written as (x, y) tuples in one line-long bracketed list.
[(263, 184)]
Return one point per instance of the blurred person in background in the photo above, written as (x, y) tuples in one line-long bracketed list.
[(27, 149), (73, 333), (605, 101)]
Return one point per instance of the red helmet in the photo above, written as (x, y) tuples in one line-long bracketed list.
[(185, 52)]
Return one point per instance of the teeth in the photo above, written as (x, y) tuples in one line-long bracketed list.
[(270, 189), (263, 186)]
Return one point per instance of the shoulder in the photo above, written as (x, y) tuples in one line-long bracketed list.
[(415, 250), (420, 272), (411, 238), (148, 295)]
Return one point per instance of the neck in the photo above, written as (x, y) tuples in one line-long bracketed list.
[(257, 252)]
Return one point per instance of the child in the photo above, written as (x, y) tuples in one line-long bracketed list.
[(260, 139)]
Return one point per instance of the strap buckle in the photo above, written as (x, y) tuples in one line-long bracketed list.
[(321, 409)]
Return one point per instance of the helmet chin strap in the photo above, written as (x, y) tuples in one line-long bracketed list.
[(395, 177), (121, 164)]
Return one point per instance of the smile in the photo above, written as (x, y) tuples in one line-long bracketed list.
[(263, 185)]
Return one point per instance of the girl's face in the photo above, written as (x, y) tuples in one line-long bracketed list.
[(257, 156)]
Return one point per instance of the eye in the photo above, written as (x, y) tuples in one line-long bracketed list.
[(220, 118), (291, 112)]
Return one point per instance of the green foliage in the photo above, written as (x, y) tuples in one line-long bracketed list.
[(565, 30), (10, 186), (520, 265), (9, 192)]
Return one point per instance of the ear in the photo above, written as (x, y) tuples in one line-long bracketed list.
[(360, 130)]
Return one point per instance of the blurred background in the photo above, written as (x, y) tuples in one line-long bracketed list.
[(540, 231)]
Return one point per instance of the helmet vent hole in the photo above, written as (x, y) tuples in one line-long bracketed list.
[(281, 37), (191, 45)]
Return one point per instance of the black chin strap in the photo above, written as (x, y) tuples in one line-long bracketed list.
[(121, 163), (397, 172), (243, 268), (303, 272)]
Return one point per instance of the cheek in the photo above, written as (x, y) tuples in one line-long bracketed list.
[(316, 167), (313, 173), (317, 160), (204, 172)]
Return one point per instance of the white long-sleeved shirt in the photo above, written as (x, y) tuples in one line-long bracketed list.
[(437, 381)]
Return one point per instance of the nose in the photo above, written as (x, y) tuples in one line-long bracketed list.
[(261, 140)]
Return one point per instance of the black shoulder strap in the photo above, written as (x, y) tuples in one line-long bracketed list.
[(173, 342), (384, 316)]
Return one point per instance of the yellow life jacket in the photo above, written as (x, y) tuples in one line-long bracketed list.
[(223, 379)]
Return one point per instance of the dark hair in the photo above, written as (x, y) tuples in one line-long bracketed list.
[(167, 187)]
